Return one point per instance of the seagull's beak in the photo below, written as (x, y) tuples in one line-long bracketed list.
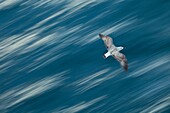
[(101, 36)]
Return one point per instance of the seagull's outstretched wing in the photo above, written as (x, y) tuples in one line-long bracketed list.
[(122, 60), (107, 41)]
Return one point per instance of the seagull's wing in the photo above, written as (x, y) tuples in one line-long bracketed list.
[(108, 42), (122, 59)]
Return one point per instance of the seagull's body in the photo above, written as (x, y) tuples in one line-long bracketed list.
[(114, 51)]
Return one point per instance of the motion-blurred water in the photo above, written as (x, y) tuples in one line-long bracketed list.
[(51, 56)]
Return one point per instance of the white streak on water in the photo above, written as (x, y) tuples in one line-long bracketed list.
[(150, 66), (6, 4), (42, 41), (5, 66), (150, 91), (80, 106), (9, 23), (75, 5), (158, 106), (35, 66), (89, 78), (39, 24), (25, 91), (96, 79), (14, 44)]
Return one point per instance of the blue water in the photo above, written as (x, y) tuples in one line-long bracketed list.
[(51, 56)]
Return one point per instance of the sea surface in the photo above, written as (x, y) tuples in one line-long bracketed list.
[(51, 56)]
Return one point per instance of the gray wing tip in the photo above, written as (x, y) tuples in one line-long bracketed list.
[(126, 67), (124, 64), (101, 35)]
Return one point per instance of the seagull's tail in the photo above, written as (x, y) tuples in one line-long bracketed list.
[(107, 55)]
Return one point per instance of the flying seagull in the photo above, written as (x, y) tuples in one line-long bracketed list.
[(114, 51)]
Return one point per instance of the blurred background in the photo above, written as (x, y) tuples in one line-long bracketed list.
[(51, 56)]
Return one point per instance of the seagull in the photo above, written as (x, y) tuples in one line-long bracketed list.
[(114, 51)]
